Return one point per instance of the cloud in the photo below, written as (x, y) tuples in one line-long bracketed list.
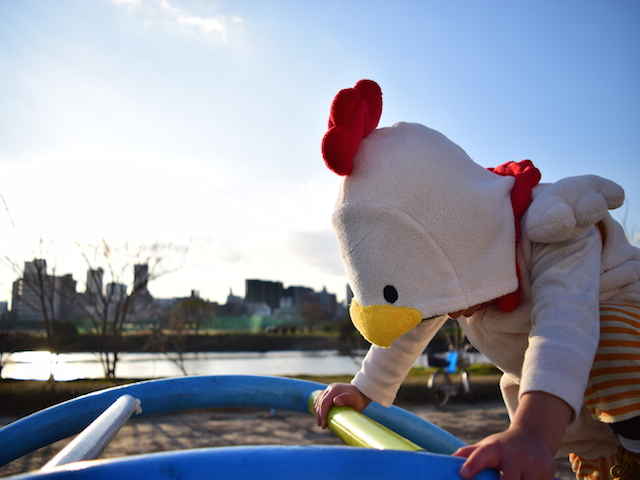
[(318, 249), (164, 12)]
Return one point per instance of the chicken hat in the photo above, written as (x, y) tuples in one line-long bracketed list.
[(423, 230)]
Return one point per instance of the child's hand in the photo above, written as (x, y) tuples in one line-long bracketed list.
[(526, 449), (339, 394), (518, 453)]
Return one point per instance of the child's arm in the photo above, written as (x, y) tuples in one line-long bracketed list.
[(562, 343), (565, 320), (527, 448), (381, 374), (384, 369)]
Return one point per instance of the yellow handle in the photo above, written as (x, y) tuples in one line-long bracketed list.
[(358, 430)]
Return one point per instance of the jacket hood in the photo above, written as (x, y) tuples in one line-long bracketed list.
[(417, 214)]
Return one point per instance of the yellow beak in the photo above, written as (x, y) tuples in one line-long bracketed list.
[(383, 324)]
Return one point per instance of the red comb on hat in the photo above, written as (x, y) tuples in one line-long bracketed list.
[(355, 113)]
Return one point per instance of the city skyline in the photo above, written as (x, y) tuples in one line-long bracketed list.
[(95, 284), (198, 124)]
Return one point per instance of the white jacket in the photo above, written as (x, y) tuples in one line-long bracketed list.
[(548, 343)]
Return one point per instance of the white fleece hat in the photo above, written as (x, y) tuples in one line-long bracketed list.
[(416, 215)]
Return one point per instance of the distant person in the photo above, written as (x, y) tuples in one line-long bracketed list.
[(541, 279)]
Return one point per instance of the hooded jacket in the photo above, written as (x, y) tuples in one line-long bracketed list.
[(417, 214)]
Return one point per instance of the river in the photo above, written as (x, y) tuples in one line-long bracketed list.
[(39, 365)]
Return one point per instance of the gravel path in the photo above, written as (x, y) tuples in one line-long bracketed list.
[(211, 428)]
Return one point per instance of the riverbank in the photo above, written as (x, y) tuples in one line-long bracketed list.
[(22, 397), (203, 342)]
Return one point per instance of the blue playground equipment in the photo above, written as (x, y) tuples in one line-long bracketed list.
[(400, 444)]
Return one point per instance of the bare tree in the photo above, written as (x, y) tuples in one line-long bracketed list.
[(192, 312), (174, 343), (184, 318), (112, 308), (45, 300), (34, 289)]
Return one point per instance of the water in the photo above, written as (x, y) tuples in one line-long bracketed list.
[(39, 365)]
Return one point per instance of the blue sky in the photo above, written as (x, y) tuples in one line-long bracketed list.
[(198, 122)]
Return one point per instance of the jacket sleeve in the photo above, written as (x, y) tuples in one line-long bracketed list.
[(565, 281), (384, 369)]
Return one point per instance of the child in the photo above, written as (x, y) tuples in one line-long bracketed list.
[(540, 277)]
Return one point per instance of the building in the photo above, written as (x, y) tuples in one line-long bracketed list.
[(234, 306), (303, 298), (259, 309), (298, 295), (264, 291), (64, 297), (140, 279), (328, 302), (94, 285), (37, 296), (116, 292), (26, 301), (142, 298)]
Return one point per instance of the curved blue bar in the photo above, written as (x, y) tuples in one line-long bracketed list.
[(183, 393), (157, 396), (421, 432), (251, 463)]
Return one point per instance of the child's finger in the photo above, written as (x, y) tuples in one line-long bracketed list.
[(483, 457), (316, 401), (345, 399), (325, 405), (465, 451), (317, 406)]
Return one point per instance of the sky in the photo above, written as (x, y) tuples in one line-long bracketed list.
[(197, 124)]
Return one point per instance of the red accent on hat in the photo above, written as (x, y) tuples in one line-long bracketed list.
[(527, 176)]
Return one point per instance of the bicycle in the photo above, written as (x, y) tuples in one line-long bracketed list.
[(440, 384)]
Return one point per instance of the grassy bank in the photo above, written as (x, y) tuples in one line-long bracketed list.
[(22, 397), (204, 342)]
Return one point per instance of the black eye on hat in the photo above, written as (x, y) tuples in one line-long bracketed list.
[(390, 293)]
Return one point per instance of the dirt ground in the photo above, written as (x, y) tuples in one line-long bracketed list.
[(211, 428)]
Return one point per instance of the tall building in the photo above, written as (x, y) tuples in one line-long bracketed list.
[(298, 295), (140, 278), (142, 299), (264, 291), (31, 293), (34, 268), (38, 295), (63, 296), (94, 281)]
